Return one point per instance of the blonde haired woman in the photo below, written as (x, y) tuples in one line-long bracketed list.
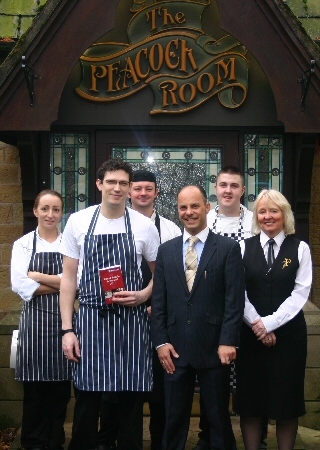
[(273, 349)]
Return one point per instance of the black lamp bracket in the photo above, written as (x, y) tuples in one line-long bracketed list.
[(305, 83), (30, 76)]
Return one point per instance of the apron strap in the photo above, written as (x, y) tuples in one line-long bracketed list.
[(94, 221), (157, 224)]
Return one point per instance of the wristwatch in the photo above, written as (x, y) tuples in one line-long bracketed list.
[(69, 330)]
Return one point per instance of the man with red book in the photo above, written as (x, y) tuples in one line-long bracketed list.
[(109, 344)]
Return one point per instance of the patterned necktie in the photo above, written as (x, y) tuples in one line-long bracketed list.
[(270, 252), (191, 262)]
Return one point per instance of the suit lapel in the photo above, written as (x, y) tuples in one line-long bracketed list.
[(209, 250), (178, 259)]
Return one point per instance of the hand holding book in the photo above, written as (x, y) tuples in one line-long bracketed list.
[(112, 281)]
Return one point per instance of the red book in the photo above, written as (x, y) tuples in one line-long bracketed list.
[(112, 280)]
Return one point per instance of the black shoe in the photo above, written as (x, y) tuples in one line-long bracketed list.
[(37, 448), (202, 445), (104, 447)]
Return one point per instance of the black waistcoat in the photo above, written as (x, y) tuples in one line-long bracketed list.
[(267, 288)]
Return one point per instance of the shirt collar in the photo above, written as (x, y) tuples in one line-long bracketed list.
[(279, 238), (153, 216), (41, 239), (202, 235)]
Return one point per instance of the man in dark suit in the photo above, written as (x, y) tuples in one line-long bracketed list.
[(197, 309)]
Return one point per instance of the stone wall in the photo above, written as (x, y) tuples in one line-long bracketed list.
[(11, 228), (11, 217), (315, 227)]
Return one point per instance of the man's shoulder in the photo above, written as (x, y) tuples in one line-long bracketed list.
[(137, 216), (170, 225), (222, 240), (212, 214), (167, 221), (79, 220), (86, 212), (248, 215), (171, 243)]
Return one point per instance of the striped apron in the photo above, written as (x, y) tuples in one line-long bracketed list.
[(39, 353), (114, 340)]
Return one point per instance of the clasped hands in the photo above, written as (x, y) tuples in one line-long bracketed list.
[(268, 339)]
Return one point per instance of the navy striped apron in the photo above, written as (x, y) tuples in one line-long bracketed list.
[(114, 340), (39, 353)]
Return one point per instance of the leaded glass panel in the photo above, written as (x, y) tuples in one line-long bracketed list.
[(174, 168), (263, 164), (69, 170)]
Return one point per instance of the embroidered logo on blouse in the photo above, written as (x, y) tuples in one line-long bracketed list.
[(286, 262)]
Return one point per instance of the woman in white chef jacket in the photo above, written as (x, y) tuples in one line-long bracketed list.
[(36, 268)]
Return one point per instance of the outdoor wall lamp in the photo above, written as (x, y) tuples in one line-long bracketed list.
[(305, 82), (30, 76)]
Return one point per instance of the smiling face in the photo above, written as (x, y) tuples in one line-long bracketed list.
[(270, 218), (229, 190), (114, 189), (143, 194), (48, 212), (193, 210)]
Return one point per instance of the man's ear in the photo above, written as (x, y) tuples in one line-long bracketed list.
[(99, 184), (130, 187)]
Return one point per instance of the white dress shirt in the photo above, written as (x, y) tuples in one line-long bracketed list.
[(198, 246), (20, 259)]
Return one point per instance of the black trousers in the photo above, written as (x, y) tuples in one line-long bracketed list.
[(86, 417), (108, 431), (156, 401), (204, 425), (109, 419), (179, 389), (44, 412)]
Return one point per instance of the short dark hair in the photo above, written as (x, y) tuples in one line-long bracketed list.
[(47, 192), (232, 170), (201, 189), (112, 165)]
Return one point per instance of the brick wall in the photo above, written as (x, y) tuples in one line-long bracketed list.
[(315, 227), (11, 219), (11, 228)]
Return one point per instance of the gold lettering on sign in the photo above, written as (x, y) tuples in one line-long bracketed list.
[(167, 18), (170, 53)]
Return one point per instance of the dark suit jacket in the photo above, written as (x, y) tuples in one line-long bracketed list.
[(197, 322)]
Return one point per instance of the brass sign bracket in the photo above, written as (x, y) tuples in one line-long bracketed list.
[(30, 76), (305, 83)]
